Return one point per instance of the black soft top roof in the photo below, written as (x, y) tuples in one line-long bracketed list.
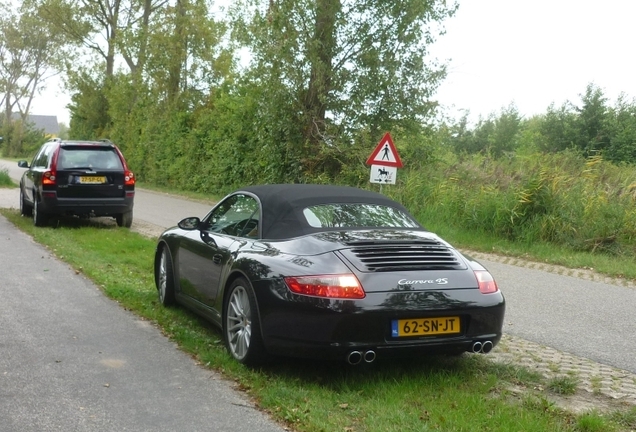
[(283, 205)]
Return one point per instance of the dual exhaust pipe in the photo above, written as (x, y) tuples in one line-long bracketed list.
[(482, 347), (357, 357)]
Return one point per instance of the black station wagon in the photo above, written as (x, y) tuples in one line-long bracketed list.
[(81, 178)]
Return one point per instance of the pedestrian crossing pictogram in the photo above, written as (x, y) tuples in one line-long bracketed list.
[(385, 153)]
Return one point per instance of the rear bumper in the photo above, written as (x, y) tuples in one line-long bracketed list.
[(51, 204), (332, 329)]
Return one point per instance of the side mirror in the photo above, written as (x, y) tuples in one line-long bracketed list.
[(23, 164), (189, 223)]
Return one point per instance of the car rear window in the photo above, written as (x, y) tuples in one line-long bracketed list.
[(357, 216), (81, 157)]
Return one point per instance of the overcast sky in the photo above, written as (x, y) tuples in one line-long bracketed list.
[(530, 53), (536, 52)]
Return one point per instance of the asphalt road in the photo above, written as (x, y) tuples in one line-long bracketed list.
[(73, 360), (593, 320)]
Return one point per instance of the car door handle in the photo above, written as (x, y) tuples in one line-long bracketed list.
[(216, 259)]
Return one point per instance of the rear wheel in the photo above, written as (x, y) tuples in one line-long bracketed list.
[(25, 209), (165, 278), (124, 219), (39, 217), (241, 325)]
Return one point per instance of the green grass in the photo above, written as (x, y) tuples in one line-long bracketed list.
[(468, 393), (565, 385), (5, 180)]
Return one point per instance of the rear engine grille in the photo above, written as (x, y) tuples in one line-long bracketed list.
[(418, 255)]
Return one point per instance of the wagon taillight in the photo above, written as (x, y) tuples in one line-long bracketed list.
[(129, 178), (48, 178)]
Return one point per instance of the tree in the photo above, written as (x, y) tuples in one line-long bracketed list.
[(592, 134), (343, 65), (185, 53), (29, 55), (558, 128), (621, 127), (102, 26), (506, 132)]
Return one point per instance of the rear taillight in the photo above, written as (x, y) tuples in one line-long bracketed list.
[(48, 178), (487, 284), (344, 286), (129, 178)]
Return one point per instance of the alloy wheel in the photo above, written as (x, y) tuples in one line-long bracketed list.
[(239, 322), (163, 277)]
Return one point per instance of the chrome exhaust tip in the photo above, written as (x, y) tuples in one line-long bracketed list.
[(354, 357), (369, 356), (486, 347), (477, 347)]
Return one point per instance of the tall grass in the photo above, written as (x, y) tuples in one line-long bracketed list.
[(5, 180), (563, 199)]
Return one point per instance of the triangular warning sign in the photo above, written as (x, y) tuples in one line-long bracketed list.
[(385, 153)]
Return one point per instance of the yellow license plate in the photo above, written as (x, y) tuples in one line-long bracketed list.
[(425, 326), (92, 179)]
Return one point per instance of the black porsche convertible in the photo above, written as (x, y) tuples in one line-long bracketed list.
[(326, 272)]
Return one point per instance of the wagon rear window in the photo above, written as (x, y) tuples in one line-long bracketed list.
[(357, 216), (80, 157)]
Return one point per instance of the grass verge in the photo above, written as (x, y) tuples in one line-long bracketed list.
[(5, 180), (468, 393)]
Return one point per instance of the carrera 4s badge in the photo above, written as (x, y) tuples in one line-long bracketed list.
[(438, 281)]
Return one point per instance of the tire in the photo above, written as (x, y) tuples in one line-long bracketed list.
[(39, 217), (164, 278), (124, 219), (25, 209), (241, 325)]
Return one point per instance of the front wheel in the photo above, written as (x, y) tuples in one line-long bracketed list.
[(25, 208), (241, 326)]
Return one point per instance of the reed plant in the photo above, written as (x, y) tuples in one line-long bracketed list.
[(583, 204)]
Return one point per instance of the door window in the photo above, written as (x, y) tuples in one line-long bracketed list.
[(41, 159), (237, 216)]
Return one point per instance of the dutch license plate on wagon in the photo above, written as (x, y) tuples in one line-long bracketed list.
[(92, 179), (425, 326)]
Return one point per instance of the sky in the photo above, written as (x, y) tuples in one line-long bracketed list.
[(521, 52), (534, 53)]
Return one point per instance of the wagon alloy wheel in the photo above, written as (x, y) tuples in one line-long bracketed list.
[(124, 219), (242, 330), (39, 218), (164, 278), (25, 209)]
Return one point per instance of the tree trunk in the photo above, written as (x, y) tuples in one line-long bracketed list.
[(179, 54), (321, 52)]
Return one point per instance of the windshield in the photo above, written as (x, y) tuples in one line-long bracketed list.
[(357, 216)]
